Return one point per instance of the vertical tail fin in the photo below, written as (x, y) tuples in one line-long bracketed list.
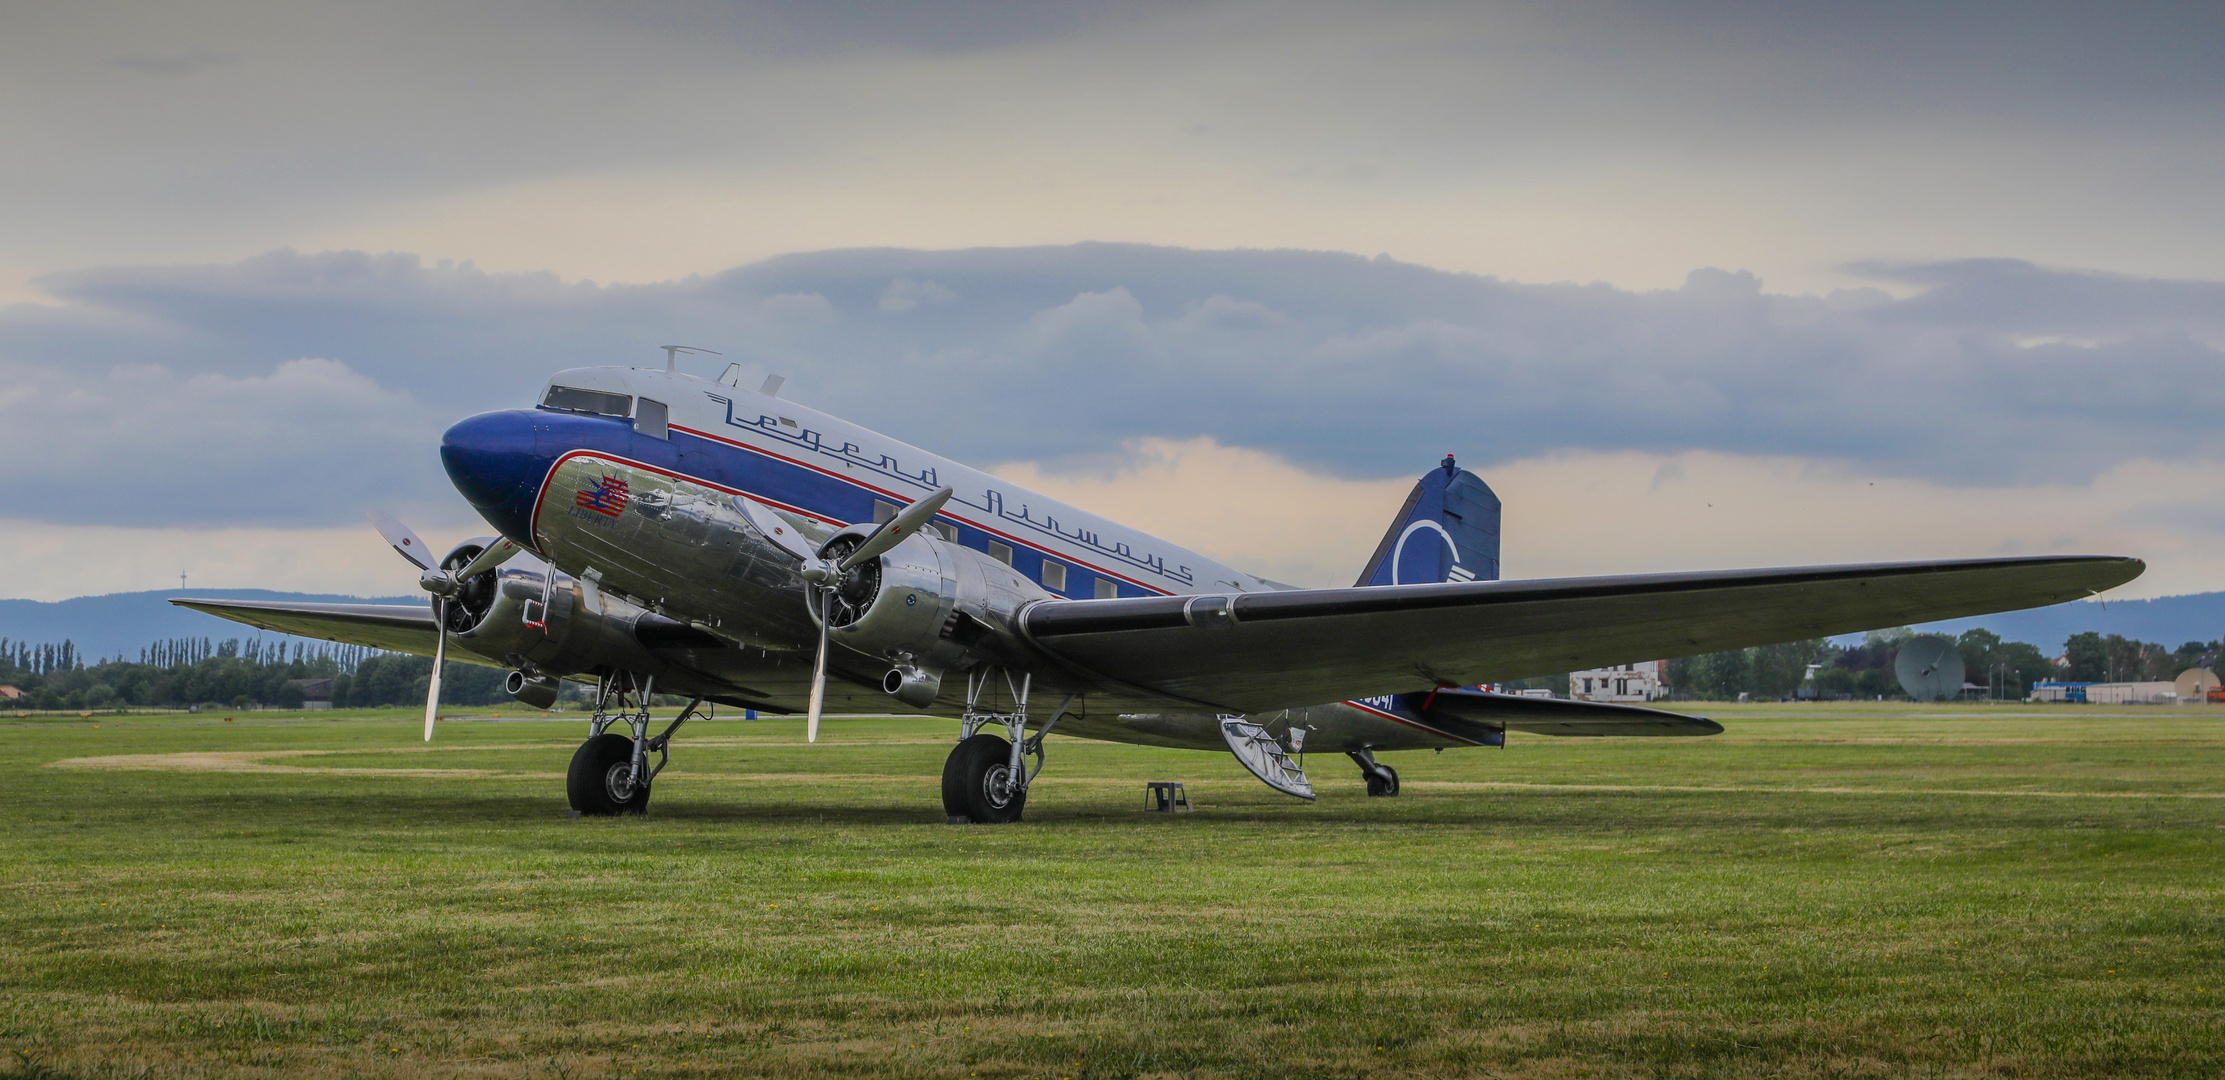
[(1447, 531)]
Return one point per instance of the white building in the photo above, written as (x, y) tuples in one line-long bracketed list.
[(1624, 682)]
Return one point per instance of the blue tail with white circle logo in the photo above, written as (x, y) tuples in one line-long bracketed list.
[(1448, 531)]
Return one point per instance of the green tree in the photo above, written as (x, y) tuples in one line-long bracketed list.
[(1779, 669), (2088, 657)]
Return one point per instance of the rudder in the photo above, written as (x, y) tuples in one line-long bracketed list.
[(1447, 531)]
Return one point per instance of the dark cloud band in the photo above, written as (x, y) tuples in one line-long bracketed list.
[(1996, 372)]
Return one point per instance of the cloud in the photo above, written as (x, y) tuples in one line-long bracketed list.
[(2012, 296), (311, 442), (174, 64), (1537, 139), (1350, 367), (904, 294), (90, 560), (1587, 513)]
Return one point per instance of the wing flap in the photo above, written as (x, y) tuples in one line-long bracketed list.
[(1254, 652)]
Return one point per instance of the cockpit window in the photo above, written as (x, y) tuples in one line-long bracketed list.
[(574, 399)]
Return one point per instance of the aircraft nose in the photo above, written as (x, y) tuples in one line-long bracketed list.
[(492, 461)]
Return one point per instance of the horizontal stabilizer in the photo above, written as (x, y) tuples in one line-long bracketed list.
[(1452, 709)]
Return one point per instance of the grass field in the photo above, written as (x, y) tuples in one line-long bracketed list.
[(1822, 891)]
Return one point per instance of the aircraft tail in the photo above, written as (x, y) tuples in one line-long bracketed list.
[(1447, 531)]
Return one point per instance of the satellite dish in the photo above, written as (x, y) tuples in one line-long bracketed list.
[(2194, 684), (1929, 668)]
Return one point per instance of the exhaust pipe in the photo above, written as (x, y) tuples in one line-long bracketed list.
[(538, 691), (914, 686)]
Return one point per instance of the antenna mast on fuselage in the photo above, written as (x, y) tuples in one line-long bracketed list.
[(672, 354)]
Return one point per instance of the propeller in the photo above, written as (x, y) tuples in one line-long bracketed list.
[(824, 575), (443, 584)]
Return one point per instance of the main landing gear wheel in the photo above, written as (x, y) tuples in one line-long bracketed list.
[(974, 782), (600, 782)]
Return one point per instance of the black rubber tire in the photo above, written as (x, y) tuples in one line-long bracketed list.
[(1382, 783), (587, 783), (966, 775)]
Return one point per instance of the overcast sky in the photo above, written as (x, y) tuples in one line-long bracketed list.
[(1694, 285)]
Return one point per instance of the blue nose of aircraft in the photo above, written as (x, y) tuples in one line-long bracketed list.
[(492, 460)]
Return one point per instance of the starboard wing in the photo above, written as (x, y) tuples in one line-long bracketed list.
[(1255, 652)]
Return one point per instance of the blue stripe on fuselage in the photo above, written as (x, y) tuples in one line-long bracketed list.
[(498, 461)]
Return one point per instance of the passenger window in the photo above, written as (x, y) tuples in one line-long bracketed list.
[(1000, 552), (946, 531), (883, 511), (574, 399), (650, 418), (1106, 590), (1054, 576)]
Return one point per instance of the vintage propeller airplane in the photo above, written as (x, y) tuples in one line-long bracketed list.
[(661, 532)]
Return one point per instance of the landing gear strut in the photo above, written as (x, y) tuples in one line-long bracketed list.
[(610, 772), (986, 778), (1382, 780)]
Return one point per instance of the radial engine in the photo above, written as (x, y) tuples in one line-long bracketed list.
[(926, 606), (540, 622)]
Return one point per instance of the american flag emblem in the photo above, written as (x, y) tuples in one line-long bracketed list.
[(607, 496)]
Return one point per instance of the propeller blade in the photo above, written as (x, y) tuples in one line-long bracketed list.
[(496, 554), (907, 521), (404, 541), (440, 654), (819, 671), (775, 530)]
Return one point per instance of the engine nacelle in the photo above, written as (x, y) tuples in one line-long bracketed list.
[(517, 615), (927, 607)]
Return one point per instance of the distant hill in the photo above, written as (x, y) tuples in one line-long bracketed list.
[(120, 624), (2166, 620)]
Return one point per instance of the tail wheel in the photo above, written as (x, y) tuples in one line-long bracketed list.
[(1382, 782), (600, 781), (974, 778)]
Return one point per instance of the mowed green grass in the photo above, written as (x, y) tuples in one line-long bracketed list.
[(1821, 891)]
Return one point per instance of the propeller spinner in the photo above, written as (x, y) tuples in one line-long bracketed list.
[(443, 584), (825, 575)]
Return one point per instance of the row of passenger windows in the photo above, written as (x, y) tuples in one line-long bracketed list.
[(1054, 572)]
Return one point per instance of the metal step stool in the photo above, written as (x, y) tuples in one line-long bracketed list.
[(1165, 797)]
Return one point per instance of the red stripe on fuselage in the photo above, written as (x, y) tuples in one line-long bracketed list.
[(1412, 724)]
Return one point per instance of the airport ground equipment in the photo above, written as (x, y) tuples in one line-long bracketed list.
[(1165, 797)]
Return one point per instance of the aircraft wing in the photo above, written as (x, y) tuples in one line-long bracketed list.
[(406, 628), (1256, 652)]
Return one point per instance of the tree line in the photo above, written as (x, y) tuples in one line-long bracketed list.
[(187, 673), (2006, 669)]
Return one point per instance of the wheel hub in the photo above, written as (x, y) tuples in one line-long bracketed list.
[(618, 781), (993, 785)]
